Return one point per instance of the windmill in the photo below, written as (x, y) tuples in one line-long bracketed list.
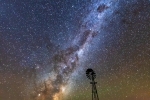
[(92, 75)]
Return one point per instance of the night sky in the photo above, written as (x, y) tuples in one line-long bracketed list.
[(47, 45)]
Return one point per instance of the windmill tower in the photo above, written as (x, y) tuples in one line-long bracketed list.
[(92, 75)]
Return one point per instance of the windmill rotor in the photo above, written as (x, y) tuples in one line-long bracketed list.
[(90, 74)]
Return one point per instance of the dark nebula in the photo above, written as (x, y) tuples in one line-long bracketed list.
[(102, 7)]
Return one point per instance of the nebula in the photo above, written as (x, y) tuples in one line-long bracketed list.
[(65, 62)]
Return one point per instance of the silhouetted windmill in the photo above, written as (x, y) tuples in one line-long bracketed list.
[(91, 75)]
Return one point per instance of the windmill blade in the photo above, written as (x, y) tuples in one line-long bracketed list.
[(90, 74)]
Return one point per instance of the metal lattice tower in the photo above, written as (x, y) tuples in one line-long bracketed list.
[(92, 75)]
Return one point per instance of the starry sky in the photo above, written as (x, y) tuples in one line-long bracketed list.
[(47, 45)]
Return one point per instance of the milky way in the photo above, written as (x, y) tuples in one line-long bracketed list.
[(46, 46)]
